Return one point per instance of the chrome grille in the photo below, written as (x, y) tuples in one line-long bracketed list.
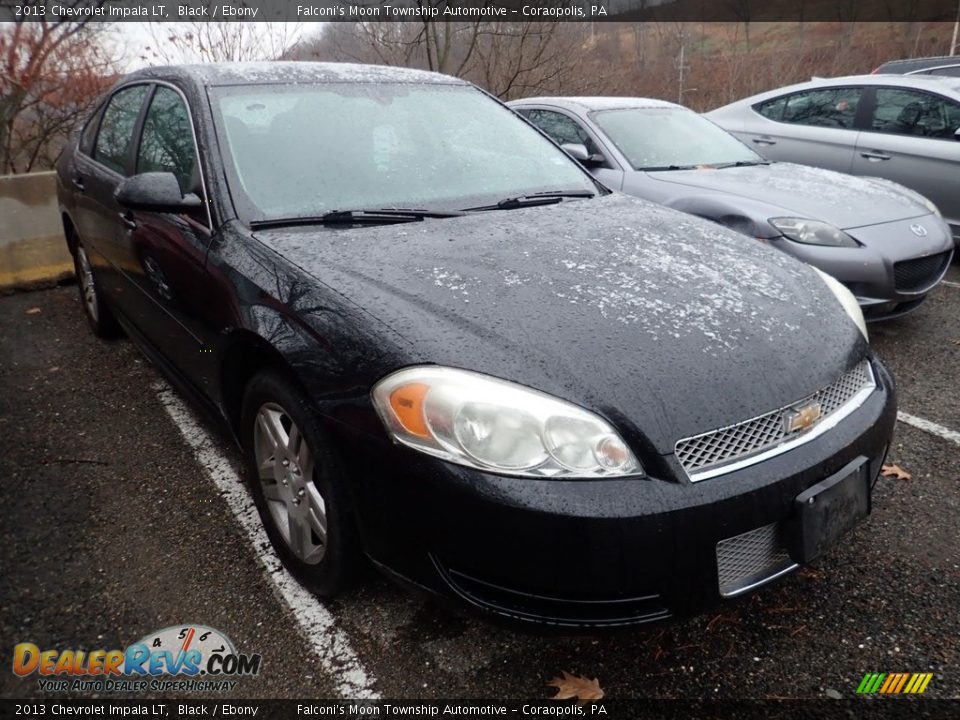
[(712, 450), (920, 274), (747, 560)]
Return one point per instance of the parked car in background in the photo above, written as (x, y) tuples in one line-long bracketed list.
[(905, 128), (943, 65), (884, 242), (441, 343)]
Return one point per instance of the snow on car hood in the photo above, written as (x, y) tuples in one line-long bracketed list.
[(656, 319), (845, 201)]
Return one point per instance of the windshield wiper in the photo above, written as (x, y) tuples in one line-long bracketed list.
[(549, 197), (668, 167), (352, 217), (739, 163)]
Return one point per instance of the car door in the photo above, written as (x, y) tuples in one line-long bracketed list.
[(167, 252), (812, 127), (911, 138), (95, 177), (563, 128)]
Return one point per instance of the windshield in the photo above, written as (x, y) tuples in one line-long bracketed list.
[(305, 150), (661, 138)]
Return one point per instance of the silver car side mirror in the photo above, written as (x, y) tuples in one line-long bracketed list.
[(578, 151)]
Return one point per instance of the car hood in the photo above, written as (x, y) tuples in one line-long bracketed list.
[(658, 320), (793, 190)]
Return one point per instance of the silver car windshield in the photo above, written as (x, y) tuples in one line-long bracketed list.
[(671, 138), (302, 150)]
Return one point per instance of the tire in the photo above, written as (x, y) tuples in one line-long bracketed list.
[(298, 485), (98, 314)]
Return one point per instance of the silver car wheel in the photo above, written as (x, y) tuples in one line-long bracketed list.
[(88, 288), (285, 472)]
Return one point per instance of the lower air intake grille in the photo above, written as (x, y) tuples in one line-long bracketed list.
[(751, 559), (921, 273)]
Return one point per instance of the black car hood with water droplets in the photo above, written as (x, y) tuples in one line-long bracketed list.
[(662, 322)]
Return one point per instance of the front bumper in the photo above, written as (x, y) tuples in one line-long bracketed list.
[(589, 553), (895, 269)]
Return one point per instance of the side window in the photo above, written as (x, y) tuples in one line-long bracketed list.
[(116, 128), (908, 112), (90, 131), (166, 144), (561, 129), (833, 107), (772, 109)]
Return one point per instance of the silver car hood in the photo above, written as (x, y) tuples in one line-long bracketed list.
[(793, 190)]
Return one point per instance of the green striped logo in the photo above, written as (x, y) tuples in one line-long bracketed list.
[(894, 683)]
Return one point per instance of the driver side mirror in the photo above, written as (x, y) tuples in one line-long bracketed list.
[(155, 192), (578, 151), (956, 134)]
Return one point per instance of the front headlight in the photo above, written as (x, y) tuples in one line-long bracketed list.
[(847, 300), (812, 232), (482, 422)]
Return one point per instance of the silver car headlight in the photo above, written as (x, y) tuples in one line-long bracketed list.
[(490, 424), (847, 300), (812, 232)]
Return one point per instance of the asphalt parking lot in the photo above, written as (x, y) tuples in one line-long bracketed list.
[(122, 514)]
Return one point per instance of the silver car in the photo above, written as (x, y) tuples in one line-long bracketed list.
[(904, 128), (885, 242)]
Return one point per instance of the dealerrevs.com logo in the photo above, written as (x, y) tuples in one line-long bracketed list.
[(190, 658)]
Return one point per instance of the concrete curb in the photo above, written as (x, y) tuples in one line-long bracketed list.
[(33, 252)]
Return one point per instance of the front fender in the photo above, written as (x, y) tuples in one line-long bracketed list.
[(744, 216)]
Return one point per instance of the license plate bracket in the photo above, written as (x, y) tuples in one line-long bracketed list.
[(828, 510)]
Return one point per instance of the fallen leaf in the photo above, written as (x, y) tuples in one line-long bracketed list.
[(574, 687), (895, 471), (33, 311)]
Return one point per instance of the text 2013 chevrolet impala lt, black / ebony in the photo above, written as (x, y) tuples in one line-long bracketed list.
[(444, 346)]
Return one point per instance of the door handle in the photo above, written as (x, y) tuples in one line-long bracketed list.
[(875, 155), (78, 183), (764, 141), (127, 219)]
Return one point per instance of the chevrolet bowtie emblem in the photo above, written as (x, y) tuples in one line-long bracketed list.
[(801, 418)]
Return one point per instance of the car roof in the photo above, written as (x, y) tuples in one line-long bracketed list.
[(920, 63), (938, 83), (244, 73), (597, 102)]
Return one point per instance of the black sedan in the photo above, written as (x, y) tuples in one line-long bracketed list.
[(442, 345)]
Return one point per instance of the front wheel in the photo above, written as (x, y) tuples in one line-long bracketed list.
[(298, 485)]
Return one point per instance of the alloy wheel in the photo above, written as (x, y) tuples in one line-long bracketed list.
[(285, 472), (88, 290)]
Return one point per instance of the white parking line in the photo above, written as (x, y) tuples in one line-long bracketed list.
[(950, 284), (317, 624), (930, 427)]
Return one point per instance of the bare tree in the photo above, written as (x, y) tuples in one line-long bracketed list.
[(220, 41), (51, 74), (507, 58)]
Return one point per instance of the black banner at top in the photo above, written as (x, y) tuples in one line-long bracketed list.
[(745, 11), (649, 709)]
